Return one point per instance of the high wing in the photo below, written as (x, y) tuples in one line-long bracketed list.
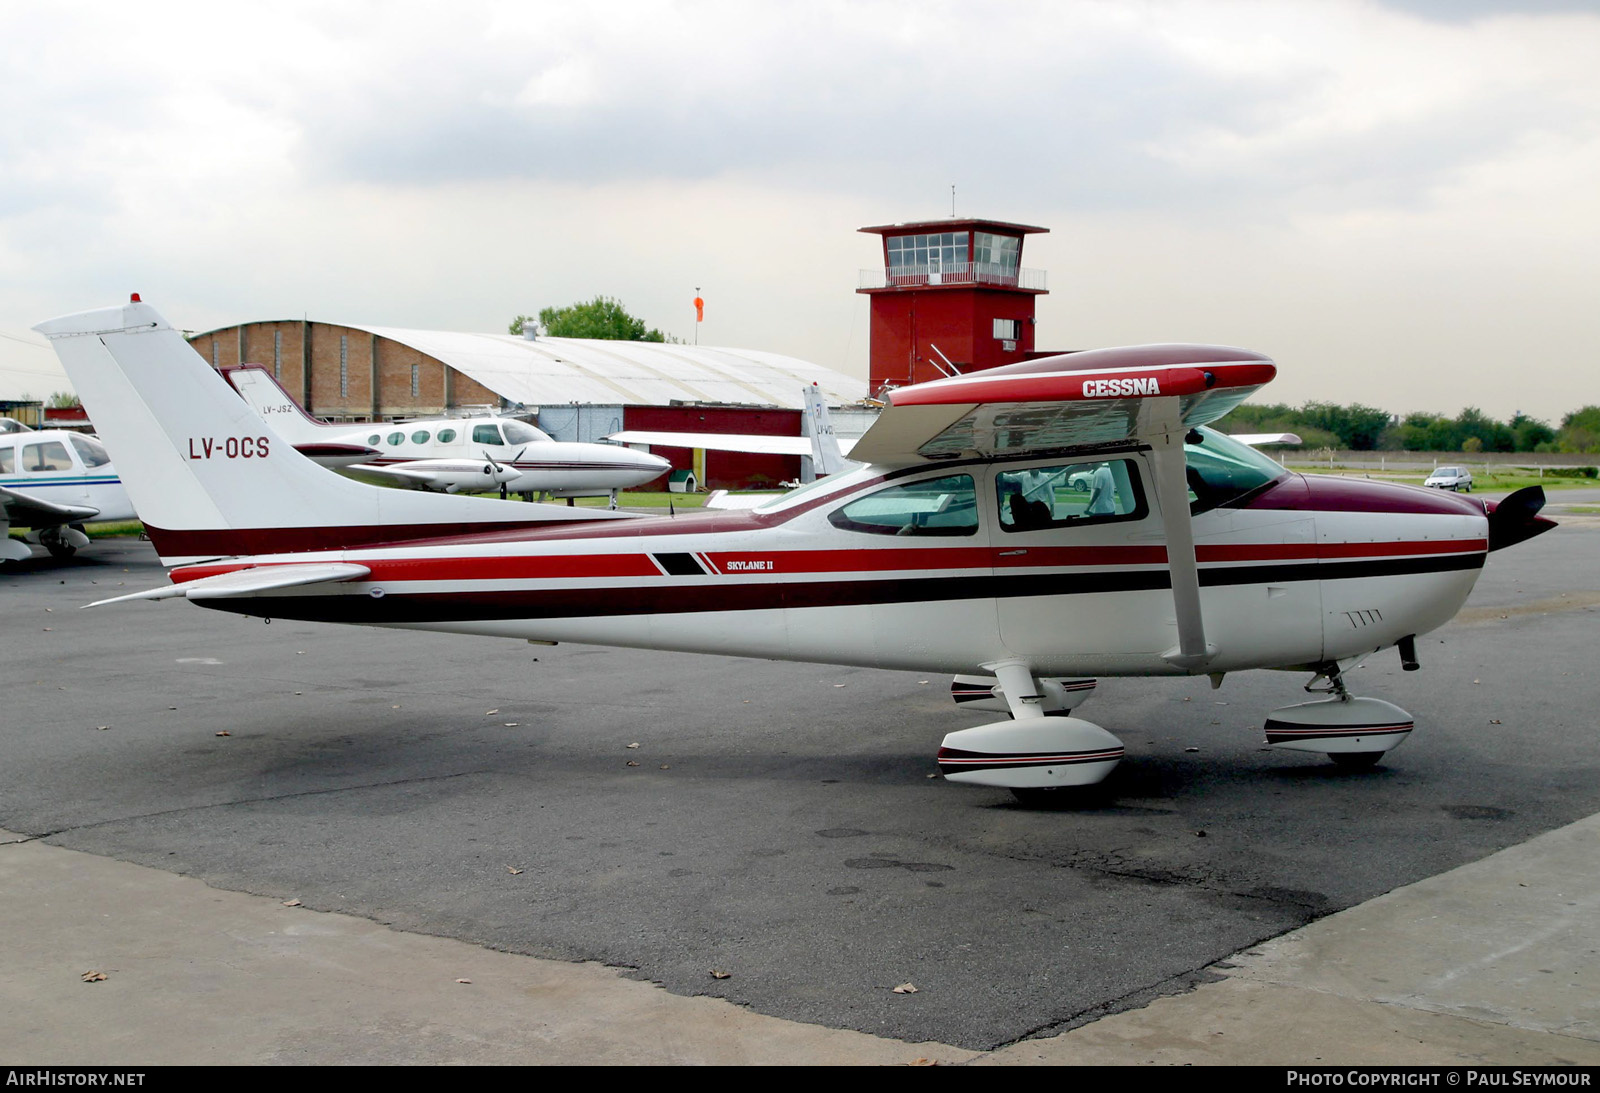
[(1147, 395), (1099, 397)]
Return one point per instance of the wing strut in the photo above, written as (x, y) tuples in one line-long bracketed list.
[(1162, 427)]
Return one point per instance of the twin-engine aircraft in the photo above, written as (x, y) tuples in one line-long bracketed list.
[(450, 455), (959, 546)]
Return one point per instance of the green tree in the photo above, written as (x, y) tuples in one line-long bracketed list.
[(61, 400), (1580, 431), (601, 317), (1491, 435), (1530, 432)]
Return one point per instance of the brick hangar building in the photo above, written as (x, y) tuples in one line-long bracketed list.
[(951, 296)]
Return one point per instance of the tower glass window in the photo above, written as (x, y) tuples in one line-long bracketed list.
[(921, 255), (997, 255)]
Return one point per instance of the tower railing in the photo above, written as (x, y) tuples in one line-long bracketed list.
[(954, 273)]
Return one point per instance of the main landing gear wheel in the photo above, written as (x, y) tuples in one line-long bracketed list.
[(1353, 732), (62, 542)]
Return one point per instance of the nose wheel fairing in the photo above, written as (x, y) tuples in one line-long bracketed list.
[(1342, 724)]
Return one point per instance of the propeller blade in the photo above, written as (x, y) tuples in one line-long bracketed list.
[(1517, 518)]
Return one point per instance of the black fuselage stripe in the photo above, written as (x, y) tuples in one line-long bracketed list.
[(649, 599)]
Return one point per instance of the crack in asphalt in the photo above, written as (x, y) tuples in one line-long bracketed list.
[(250, 801)]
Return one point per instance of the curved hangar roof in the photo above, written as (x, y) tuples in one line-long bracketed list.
[(552, 371)]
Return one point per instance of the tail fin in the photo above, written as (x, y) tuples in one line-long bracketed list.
[(276, 406), (207, 475), (826, 457)]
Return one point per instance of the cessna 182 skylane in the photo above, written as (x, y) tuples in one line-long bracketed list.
[(953, 548), (451, 454)]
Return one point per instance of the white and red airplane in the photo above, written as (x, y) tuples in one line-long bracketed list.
[(451, 455), (956, 547)]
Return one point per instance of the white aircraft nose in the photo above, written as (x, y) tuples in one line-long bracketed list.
[(646, 466)]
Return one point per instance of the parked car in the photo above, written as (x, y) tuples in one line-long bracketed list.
[(1451, 478)]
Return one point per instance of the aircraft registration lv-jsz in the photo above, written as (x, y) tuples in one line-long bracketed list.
[(1025, 529)]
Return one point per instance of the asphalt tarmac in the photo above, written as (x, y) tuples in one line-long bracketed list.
[(783, 823)]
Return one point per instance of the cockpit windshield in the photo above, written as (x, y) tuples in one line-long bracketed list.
[(518, 433), (1222, 469)]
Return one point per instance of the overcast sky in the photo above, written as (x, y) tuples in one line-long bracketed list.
[(1400, 201)]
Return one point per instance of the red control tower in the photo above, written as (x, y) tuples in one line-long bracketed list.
[(949, 291)]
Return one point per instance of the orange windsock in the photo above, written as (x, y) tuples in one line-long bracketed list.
[(699, 310)]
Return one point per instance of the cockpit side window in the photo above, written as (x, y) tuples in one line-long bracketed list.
[(518, 433), (8, 459), (486, 434), (1221, 469), (91, 451), (1069, 495), (930, 506)]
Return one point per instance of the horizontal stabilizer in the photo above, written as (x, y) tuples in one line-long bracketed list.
[(245, 582), (722, 499), (1260, 440)]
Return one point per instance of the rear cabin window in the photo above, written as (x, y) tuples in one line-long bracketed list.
[(1069, 495), (446, 436), (8, 460), (49, 456), (932, 506), (420, 436), (396, 438)]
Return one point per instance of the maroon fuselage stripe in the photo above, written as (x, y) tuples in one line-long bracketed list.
[(874, 562)]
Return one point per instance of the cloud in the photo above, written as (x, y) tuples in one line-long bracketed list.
[(1228, 169)]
